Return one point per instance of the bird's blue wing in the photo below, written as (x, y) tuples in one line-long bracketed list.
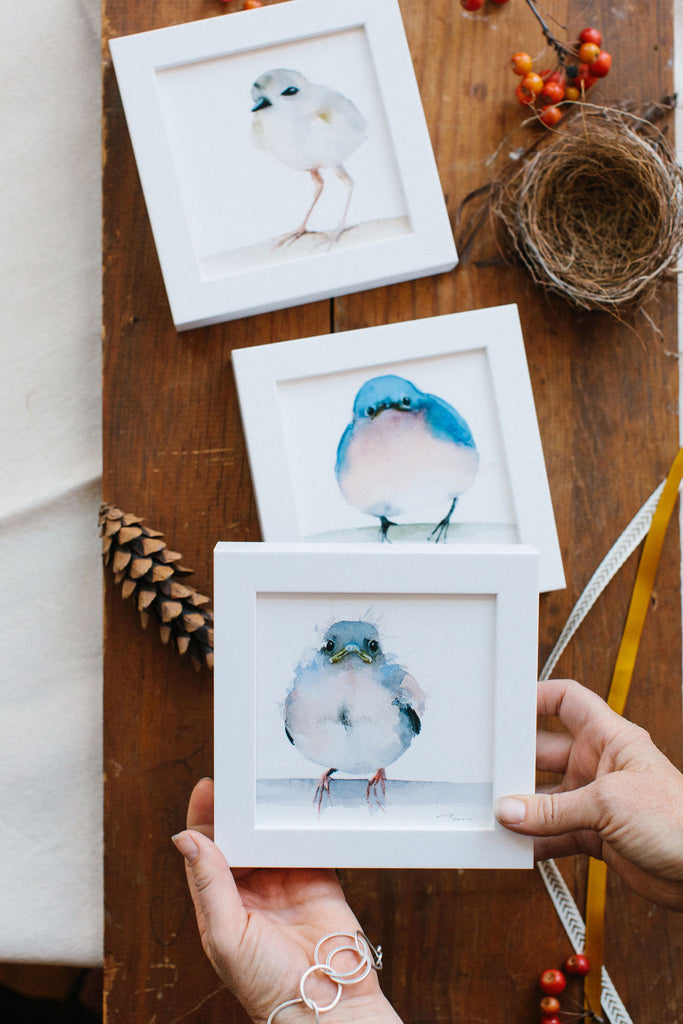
[(446, 422), (342, 449)]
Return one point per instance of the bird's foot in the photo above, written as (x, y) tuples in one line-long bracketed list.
[(323, 787), (440, 531), (384, 528), (330, 238), (292, 236), (378, 779)]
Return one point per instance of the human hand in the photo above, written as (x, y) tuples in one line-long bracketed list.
[(620, 798), (259, 928)]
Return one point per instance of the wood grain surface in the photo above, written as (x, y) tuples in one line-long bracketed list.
[(459, 946)]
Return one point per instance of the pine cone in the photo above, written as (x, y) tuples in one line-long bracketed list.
[(144, 566)]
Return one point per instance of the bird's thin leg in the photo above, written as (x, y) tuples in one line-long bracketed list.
[(378, 779), (292, 237), (323, 787), (440, 531), (345, 177), (384, 528)]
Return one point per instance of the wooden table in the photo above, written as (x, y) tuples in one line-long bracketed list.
[(459, 946)]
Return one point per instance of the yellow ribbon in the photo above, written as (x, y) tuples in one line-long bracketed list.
[(616, 698)]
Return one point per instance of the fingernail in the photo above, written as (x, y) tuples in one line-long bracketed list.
[(510, 811), (187, 846)]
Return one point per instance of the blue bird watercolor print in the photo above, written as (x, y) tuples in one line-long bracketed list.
[(404, 450), (352, 708)]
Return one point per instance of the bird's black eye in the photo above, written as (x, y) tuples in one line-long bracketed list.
[(373, 646), (291, 90), (370, 411), (329, 646), (405, 401)]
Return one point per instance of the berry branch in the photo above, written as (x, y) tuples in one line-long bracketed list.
[(579, 66), (562, 49)]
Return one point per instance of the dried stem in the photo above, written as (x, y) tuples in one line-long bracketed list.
[(563, 50)]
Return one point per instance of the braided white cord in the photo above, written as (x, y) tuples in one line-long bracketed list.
[(569, 915), (609, 567)]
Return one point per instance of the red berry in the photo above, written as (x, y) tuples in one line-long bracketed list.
[(549, 1005), (521, 63), (584, 77), (601, 65), (590, 35), (550, 116), (472, 5), (552, 982), (577, 963), (524, 96), (553, 1019), (553, 92)]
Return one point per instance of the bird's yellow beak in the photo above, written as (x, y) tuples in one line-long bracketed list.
[(351, 649)]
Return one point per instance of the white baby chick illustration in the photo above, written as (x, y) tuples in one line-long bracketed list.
[(308, 127)]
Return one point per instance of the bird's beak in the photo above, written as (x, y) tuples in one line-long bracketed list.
[(351, 649), (262, 104)]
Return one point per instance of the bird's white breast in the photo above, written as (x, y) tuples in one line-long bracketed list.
[(340, 717), (395, 465), (315, 129)]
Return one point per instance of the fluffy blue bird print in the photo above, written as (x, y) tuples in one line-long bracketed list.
[(309, 127), (352, 708), (404, 450)]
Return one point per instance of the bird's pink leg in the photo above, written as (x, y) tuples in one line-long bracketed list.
[(344, 176), (292, 237), (323, 787), (378, 779)]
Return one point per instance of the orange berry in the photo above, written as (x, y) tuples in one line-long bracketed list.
[(521, 63), (572, 93), (589, 53), (533, 82)]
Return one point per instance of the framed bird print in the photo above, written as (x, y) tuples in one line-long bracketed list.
[(371, 705), (284, 156), (416, 432)]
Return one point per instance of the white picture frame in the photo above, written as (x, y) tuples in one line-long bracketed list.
[(296, 400), (463, 623), (217, 203)]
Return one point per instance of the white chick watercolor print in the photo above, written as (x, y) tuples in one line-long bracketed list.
[(309, 127), (352, 708)]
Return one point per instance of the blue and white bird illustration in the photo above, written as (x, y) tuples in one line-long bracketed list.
[(404, 451), (351, 707), (308, 127)]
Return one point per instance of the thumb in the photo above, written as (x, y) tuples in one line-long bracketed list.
[(217, 903), (547, 814)]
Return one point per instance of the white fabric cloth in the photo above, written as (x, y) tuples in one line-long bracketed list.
[(50, 465)]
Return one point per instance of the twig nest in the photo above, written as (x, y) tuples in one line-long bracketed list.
[(595, 210)]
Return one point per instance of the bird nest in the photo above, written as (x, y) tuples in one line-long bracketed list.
[(595, 210)]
